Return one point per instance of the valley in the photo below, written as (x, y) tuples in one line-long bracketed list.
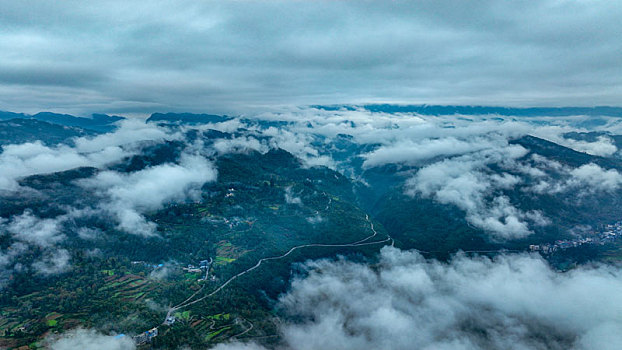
[(210, 261)]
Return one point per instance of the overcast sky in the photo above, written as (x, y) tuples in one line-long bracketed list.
[(239, 56)]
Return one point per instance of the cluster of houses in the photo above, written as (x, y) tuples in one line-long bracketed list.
[(609, 234), (231, 223), (237, 221), (204, 266), (142, 338), (146, 337)]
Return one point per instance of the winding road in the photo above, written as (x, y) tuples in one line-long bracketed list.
[(362, 242)]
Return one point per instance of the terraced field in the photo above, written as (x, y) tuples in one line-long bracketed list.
[(128, 288), (213, 326)]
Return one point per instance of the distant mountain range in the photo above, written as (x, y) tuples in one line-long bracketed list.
[(97, 122), (21, 130), (104, 123), (186, 118), (483, 110)]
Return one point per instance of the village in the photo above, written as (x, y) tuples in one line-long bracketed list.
[(609, 234), (148, 336), (204, 266)]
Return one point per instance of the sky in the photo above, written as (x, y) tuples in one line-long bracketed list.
[(241, 56)]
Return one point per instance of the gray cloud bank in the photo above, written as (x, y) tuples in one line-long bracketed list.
[(407, 302), (127, 56)]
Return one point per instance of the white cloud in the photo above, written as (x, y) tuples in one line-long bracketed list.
[(7, 259), (584, 180), (238, 346), (129, 131), (128, 196), (90, 339), (239, 144), (511, 302), (290, 198), (593, 177), (21, 160), (28, 231), (300, 145), (466, 182), (35, 158), (162, 272), (410, 152), (88, 233), (603, 146), (54, 262), (31, 229), (316, 219)]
